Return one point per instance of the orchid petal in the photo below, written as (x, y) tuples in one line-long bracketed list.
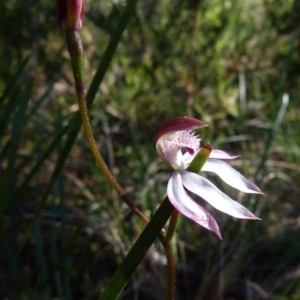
[(219, 154), (231, 176), (210, 193), (215, 153), (187, 206)]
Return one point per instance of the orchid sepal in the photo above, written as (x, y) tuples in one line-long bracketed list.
[(210, 193), (231, 176), (187, 206)]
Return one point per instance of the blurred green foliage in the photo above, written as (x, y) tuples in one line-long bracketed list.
[(225, 62)]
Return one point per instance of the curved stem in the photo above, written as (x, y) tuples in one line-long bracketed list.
[(137, 252), (77, 61)]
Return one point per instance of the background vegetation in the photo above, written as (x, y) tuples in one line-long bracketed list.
[(225, 62)]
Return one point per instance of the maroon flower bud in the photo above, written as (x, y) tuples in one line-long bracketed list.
[(70, 14)]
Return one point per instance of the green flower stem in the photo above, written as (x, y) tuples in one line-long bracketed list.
[(171, 266), (173, 224), (77, 61), (138, 251), (75, 123)]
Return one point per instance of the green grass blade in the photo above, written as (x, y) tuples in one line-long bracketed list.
[(8, 110), (64, 240), (64, 253), (15, 79), (54, 250), (42, 159), (272, 132), (40, 256), (282, 111), (19, 122), (40, 101), (137, 252)]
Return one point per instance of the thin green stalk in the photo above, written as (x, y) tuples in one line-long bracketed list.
[(272, 133), (173, 224), (171, 267), (75, 124), (138, 251), (278, 116), (77, 61)]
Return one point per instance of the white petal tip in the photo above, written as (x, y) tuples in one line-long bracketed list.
[(255, 189), (251, 217)]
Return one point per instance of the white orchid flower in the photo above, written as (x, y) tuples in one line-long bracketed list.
[(174, 135)]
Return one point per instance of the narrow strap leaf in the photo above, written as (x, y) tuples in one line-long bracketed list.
[(137, 252)]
